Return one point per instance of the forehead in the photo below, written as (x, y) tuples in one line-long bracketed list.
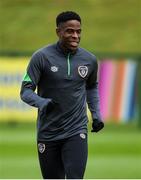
[(71, 24)]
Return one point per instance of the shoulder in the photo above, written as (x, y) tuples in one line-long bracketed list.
[(88, 55), (42, 54), (46, 50)]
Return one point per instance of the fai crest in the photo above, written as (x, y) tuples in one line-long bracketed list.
[(41, 147), (83, 71), (83, 136)]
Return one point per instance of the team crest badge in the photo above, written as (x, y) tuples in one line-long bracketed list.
[(41, 147), (83, 136), (83, 71)]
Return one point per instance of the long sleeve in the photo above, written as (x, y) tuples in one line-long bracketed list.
[(93, 102), (29, 83), (31, 98), (92, 94)]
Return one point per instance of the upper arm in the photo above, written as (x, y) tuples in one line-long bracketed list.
[(33, 72), (92, 79)]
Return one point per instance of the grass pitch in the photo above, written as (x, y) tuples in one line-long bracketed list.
[(114, 152)]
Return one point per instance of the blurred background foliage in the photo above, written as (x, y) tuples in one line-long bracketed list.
[(108, 27)]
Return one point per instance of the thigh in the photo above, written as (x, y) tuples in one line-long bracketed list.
[(51, 165), (74, 155)]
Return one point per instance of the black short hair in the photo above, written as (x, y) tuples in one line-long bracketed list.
[(66, 16)]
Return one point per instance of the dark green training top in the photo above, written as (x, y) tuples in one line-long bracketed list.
[(64, 82)]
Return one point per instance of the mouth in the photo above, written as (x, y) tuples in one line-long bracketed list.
[(74, 43)]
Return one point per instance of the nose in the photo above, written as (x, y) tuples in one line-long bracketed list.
[(75, 35)]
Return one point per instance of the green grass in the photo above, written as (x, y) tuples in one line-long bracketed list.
[(113, 153), (108, 25)]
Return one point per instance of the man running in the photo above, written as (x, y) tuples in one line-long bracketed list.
[(66, 78)]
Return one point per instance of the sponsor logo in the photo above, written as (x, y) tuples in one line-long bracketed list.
[(83, 71), (41, 147), (82, 135), (54, 68)]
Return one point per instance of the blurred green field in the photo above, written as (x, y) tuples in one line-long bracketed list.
[(108, 25), (115, 152)]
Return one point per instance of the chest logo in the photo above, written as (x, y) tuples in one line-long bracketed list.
[(54, 68), (83, 71), (41, 147)]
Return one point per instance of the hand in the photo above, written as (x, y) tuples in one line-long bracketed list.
[(97, 125), (50, 107), (47, 106)]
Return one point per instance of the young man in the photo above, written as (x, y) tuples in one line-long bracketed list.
[(66, 78)]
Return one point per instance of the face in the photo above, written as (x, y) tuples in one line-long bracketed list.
[(69, 34)]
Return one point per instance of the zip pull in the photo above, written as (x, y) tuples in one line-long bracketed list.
[(68, 62)]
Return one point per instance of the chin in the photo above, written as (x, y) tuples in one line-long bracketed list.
[(73, 48)]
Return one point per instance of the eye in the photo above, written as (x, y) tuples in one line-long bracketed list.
[(70, 31), (78, 31)]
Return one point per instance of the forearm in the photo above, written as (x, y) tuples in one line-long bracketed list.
[(94, 102), (28, 95)]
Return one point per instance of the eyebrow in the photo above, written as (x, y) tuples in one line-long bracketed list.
[(72, 28)]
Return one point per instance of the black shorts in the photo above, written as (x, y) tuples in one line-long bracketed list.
[(64, 158)]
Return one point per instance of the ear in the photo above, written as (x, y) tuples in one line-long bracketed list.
[(58, 31)]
